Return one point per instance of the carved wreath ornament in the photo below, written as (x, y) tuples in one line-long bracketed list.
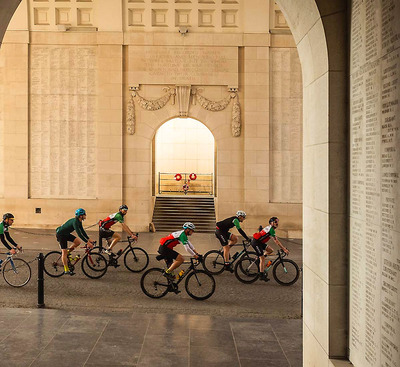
[(180, 92)]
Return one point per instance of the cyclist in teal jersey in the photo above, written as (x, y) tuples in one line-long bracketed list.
[(8, 220), (63, 234), (106, 224)]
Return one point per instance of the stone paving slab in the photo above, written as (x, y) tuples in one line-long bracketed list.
[(41, 337)]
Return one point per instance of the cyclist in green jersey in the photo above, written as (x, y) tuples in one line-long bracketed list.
[(8, 220), (227, 238), (106, 224), (63, 234)]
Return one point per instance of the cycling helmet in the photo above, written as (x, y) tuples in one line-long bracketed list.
[(272, 219), (241, 213), (7, 216), (123, 207), (189, 225), (79, 212)]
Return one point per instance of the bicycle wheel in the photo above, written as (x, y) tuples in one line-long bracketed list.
[(246, 269), (213, 262), (200, 285), (286, 272), (94, 265), (136, 259), (17, 272), (53, 265), (154, 284)]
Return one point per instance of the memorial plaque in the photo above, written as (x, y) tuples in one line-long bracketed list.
[(183, 65), (375, 190), (62, 136)]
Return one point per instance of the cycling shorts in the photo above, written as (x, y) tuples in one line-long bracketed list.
[(105, 233), (259, 247), (223, 237), (169, 254), (63, 240)]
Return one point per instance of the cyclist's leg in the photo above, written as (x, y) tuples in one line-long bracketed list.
[(269, 250), (232, 241), (75, 242), (176, 264), (63, 241), (259, 249), (115, 238)]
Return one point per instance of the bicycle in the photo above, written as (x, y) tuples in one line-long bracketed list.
[(16, 272), (94, 264), (214, 261), (199, 284), (136, 259), (285, 271)]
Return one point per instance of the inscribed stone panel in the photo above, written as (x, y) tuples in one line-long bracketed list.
[(62, 122), (286, 126), (374, 186), (183, 65)]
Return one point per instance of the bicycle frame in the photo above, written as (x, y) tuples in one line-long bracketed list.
[(191, 268), (243, 251)]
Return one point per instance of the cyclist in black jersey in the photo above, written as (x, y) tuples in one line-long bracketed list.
[(228, 239), (8, 220)]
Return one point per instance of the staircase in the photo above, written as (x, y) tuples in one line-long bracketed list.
[(171, 212)]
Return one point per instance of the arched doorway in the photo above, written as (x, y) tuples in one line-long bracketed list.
[(184, 158)]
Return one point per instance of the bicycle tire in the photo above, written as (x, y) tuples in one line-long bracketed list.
[(137, 258), (213, 262), (247, 269), (53, 265), (17, 272), (154, 284), (94, 265), (286, 274), (198, 279)]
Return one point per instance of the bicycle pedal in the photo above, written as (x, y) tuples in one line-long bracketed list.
[(177, 291)]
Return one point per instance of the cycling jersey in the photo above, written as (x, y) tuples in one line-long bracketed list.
[(175, 238), (73, 224), (111, 220), (228, 223), (265, 234), (4, 233)]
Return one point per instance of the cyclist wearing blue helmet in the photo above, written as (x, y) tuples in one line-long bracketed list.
[(64, 235)]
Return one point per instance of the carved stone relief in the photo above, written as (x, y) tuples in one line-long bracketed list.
[(184, 93)]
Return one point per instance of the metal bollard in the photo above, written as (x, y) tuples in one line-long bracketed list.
[(40, 281)]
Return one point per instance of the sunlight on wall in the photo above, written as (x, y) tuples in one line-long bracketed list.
[(184, 146)]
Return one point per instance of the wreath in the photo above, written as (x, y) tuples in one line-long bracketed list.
[(178, 177), (192, 176)]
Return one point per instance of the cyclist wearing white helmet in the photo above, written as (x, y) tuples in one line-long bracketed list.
[(227, 238), (64, 235), (106, 224), (168, 243)]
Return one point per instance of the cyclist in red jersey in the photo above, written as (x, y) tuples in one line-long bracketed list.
[(259, 243), (106, 232), (168, 243)]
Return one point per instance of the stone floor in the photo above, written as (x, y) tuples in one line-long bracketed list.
[(33, 338)]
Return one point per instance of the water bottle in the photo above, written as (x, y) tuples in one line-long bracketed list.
[(180, 274), (235, 255), (269, 263), (119, 252)]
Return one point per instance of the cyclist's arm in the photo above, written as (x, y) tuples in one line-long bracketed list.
[(237, 225), (3, 240), (280, 245), (80, 231), (9, 239), (127, 230), (190, 248)]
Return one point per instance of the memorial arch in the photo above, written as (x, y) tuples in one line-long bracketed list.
[(321, 32)]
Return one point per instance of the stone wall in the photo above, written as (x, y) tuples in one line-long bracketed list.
[(81, 105), (375, 188)]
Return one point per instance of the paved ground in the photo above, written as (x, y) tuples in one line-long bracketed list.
[(47, 338), (119, 290)]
